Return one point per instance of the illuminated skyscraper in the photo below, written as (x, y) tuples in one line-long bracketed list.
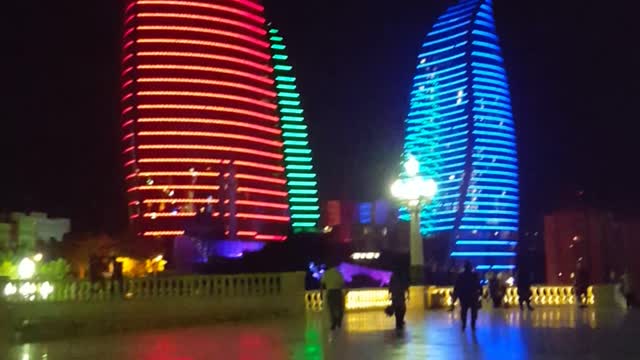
[(202, 104), (301, 178), (460, 127)]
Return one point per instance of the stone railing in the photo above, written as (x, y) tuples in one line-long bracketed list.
[(441, 297), (221, 286), (356, 299), (80, 307), (541, 295)]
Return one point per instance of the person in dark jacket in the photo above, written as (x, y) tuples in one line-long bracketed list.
[(118, 275), (581, 285), (626, 287), (524, 288), (468, 291), (495, 290), (398, 286)]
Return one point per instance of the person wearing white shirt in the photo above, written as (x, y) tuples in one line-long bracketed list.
[(333, 283)]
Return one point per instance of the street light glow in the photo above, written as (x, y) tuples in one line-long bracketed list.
[(45, 289), (10, 289), (26, 269), (414, 188), (412, 166), (414, 192)]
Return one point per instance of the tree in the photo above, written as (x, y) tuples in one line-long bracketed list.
[(56, 270)]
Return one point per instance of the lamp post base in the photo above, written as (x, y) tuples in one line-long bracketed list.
[(416, 273)]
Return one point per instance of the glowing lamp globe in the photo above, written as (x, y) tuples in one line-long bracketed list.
[(26, 269), (430, 188), (397, 189), (414, 188), (412, 166)]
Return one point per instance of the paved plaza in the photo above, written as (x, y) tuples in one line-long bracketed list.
[(551, 333)]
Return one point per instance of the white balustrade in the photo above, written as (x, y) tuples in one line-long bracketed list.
[(221, 286)]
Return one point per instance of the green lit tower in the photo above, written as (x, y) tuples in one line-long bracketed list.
[(302, 184)]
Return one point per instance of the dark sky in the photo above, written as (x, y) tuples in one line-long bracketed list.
[(572, 67)]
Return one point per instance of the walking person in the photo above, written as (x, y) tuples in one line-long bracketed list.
[(468, 291), (581, 285), (626, 286), (398, 286), (333, 283), (524, 288), (118, 277), (495, 290)]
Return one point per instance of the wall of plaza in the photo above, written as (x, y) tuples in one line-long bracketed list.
[(74, 308)]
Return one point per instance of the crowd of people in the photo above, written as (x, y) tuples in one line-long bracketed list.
[(468, 291)]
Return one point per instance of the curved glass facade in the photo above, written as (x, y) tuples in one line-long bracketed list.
[(203, 138), (302, 183), (460, 127)]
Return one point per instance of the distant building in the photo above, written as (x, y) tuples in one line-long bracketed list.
[(23, 229), (604, 245), (367, 226)]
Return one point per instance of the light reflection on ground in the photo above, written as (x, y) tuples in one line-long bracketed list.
[(552, 333)]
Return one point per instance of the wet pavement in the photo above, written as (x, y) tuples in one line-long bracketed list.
[(551, 333)]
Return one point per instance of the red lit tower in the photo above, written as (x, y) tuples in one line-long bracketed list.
[(200, 119)]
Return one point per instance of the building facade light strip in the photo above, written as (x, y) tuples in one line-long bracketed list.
[(234, 35), (211, 19), (194, 81), (214, 95), (482, 253), (203, 43), (487, 242), (276, 156), (254, 139), (210, 121), (193, 4), (212, 161), (213, 69), (223, 109), (207, 56)]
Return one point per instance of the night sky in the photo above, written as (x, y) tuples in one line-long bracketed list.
[(572, 68)]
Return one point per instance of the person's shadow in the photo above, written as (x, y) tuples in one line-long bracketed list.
[(395, 336), (474, 338)]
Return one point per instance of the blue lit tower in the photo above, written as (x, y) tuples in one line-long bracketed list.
[(460, 127)]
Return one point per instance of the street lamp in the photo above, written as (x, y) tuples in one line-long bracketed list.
[(414, 192)]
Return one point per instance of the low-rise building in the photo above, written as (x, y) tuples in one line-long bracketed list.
[(601, 243), (366, 226), (22, 229)]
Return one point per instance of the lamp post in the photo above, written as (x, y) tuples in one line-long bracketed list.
[(414, 192)]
